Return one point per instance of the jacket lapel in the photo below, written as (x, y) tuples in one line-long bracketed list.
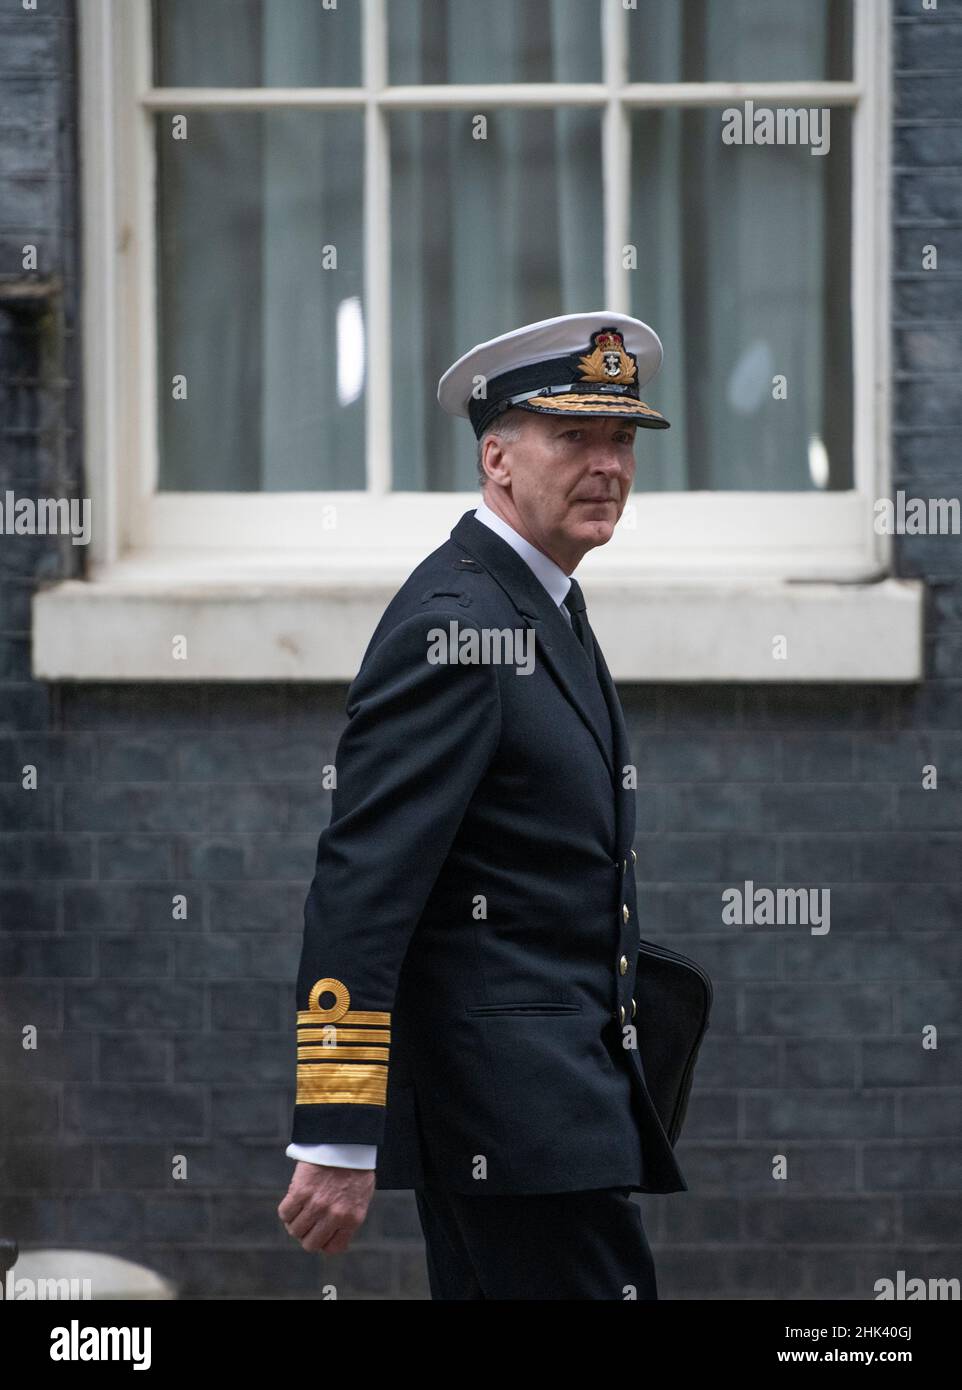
[(624, 796)]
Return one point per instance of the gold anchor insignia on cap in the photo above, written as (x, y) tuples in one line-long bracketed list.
[(607, 360)]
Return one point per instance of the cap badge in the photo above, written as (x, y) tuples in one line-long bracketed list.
[(607, 361)]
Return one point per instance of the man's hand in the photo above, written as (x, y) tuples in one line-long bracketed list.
[(324, 1206)]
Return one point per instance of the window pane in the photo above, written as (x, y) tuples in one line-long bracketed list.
[(495, 41), (487, 235), (740, 40), (260, 301), (256, 43), (744, 272)]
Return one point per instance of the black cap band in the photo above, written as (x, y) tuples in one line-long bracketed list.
[(541, 378)]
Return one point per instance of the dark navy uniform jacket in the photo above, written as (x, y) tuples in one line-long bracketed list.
[(467, 976)]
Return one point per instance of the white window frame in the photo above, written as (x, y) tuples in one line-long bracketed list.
[(727, 555)]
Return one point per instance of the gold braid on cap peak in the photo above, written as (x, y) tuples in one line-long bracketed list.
[(341, 1065)]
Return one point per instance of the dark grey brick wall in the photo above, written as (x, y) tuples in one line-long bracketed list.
[(161, 1037)]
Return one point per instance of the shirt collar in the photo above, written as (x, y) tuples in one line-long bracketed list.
[(552, 576)]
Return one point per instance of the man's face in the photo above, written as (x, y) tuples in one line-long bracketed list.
[(566, 480)]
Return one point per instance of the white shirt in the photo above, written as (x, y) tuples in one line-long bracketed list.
[(557, 583)]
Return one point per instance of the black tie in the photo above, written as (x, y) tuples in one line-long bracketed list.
[(574, 601)]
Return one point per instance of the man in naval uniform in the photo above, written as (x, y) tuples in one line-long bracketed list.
[(466, 987)]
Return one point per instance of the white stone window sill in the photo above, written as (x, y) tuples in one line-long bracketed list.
[(122, 627)]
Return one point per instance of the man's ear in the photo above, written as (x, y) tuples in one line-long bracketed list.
[(492, 452)]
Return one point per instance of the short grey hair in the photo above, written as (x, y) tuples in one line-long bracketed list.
[(507, 426)]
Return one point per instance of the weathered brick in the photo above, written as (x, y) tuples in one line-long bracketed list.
[(134, 709), (745, 953), (210, 1164), (97, 1217), (698, 758), (786, 1115), (250, 907), (115, 806), (747, 1167), (812, 1062), (932, 707), (930, 555), (273, 957), (937, 809), (57, 757), (825, 808), (927, 296), (934, 46), (42, 1166), (926, 1260), (136, 758), (752, 1270), (916, 10), (935, 1166), (144, 1112), (56, 1057), (926, 907), (158, 1005), (249, 808), (934, 1001), (822, 1221), (931, 456), (703, 807), (185, 1219), (127, 1058), (931, 1219), (928, 348), (920, 97), (902, 757), (700, 857), (210, 957), (32, 1108), (38, 855), (822, 757), (134, 856), (818, 1274), (32, 1220), (931, 1114), (873, 958), (909, 858), (903, 1061), (237, 1273), (848, 1010), (29, 907), (255, 1058), (41, 957), (815, 860), (684, 708), (117, 907), (237, 1007), (938, 401), (246, 1110), (135, 958), (916, 146)]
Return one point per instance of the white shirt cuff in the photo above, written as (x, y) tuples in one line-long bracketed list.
[(335, 1155)]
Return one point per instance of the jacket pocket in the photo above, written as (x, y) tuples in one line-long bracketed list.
[(494, 1010)]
